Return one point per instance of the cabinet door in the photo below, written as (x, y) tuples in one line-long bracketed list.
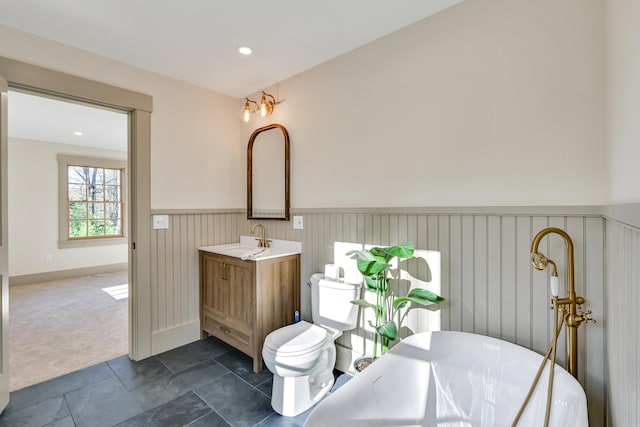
[(228, 298), (237, 295), (212, 270)]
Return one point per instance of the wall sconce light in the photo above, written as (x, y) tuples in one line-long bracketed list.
[(266, 107)]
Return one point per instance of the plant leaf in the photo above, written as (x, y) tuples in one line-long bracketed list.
[(371, 282), (389, 330), (371, 267), (419, 296), (363, 303), (402, 251)]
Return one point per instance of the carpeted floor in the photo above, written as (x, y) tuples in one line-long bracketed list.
[(62, 326)]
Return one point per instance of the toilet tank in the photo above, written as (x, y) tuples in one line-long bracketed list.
[(331, 302)]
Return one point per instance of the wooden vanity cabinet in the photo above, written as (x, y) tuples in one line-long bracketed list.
[(241, 302)]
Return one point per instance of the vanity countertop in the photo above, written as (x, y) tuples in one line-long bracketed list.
[(247, 249)]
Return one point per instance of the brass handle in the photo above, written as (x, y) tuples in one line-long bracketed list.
[(225, 330)]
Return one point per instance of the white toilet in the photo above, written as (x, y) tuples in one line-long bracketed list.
[(302, 355)]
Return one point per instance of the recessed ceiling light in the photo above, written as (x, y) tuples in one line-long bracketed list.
[(77, 133), (245, 50)]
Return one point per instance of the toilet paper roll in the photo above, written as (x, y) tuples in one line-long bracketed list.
[(332, 271)]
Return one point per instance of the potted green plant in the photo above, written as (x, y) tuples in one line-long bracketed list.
[(374, 265)]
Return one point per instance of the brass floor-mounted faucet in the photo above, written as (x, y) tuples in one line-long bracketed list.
[(569, 305)]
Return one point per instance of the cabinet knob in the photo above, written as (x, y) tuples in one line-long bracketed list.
[(225, 330)]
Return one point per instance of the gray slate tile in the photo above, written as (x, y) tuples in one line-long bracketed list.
[(177, 412), (65, 422), (133, 374), (168, 388), (58, 386), (236, 401), (210, 420), (38, 414), (242, 365), (103, 404), (193, 354)]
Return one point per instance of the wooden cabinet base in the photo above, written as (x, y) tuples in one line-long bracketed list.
[(241, 302)]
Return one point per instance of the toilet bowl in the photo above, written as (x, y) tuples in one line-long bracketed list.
[(302, 355)]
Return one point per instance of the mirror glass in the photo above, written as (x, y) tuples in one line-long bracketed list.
[(268, 173)]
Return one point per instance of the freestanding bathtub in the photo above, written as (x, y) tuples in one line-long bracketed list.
[(452, 379)]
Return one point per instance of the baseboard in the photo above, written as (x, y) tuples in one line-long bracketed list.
[(48, 276), (169, 339)]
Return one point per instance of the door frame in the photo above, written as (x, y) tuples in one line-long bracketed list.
[(138, 106)]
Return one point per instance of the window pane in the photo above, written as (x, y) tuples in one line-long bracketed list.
[(77, 192), (112, 176), (96, 228), (77, 210), (113, 211), (112, 193), (95, 193), (96, 176), (77, 228), (96, 210), (77, 174), (114, 228), (95, 202)]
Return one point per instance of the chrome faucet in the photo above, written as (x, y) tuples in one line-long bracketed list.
[(263, 242)]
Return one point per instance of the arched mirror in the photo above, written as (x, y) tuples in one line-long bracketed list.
[(268, 173)]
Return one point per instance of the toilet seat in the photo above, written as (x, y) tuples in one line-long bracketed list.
[(296, 339)]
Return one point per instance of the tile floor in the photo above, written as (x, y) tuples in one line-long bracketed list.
[(205, 383)]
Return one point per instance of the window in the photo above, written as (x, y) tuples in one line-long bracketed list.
[(91, 201)]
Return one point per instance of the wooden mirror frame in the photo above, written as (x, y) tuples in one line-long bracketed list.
[(250, 172)]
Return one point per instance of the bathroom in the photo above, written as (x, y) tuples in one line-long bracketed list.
[(511, 117)]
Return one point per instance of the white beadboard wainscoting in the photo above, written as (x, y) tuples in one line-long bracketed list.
[(484, 272)]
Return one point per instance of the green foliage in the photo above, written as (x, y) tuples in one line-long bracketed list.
[(94, 202), (374, 265)]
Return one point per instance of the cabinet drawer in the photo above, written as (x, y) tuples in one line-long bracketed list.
[(231, 336)]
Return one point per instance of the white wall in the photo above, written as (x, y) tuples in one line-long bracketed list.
[(623, 98), (195, 157), (33, 211), (487, 103)]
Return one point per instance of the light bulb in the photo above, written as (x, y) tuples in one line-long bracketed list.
[(263, 108), (247, 111)]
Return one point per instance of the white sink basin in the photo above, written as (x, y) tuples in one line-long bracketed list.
[(248, 249)]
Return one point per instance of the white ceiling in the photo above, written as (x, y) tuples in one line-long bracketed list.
[(194, 41), (43, 119)]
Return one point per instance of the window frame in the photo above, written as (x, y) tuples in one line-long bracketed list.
[(64, 161)]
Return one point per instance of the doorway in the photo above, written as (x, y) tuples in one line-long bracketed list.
[(67, 240), (24, 76)]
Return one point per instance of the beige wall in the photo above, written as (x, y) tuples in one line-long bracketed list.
[(194, 132), (487, 103), (33, 211), (623, 98)]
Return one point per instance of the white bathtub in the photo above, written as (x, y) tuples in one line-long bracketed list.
[(452, 379)]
